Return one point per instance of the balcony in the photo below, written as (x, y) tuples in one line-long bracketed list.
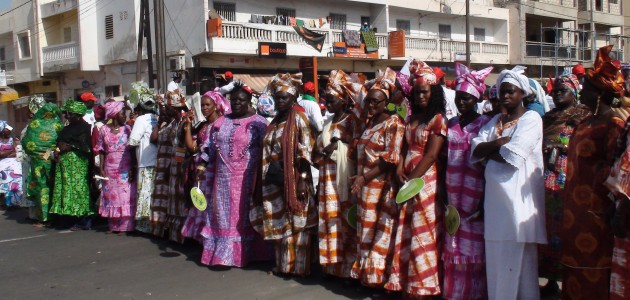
[(61, 57), (243, 38), (57, 7), (7, 65)]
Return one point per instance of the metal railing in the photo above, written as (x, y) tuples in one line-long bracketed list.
[(60, 52)]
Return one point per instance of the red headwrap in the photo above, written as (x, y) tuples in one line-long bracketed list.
[(439, 73), (578, 70), (606, 73)]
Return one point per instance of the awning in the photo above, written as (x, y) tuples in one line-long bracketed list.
[(8, 94), (257, 82)]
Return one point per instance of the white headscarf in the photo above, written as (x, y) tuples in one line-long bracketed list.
[(515, 77)]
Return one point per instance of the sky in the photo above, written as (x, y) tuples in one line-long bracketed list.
[(5, 5)]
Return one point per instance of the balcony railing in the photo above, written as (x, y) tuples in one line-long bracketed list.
[(61, 57), (550, 50), (285, 34), (7, 65)]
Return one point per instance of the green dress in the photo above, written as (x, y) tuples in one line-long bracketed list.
[(71, 195), (38, 143)]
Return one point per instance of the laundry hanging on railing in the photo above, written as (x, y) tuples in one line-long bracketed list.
[(352, 38), (371, 44), (314, 39), (288, 21)]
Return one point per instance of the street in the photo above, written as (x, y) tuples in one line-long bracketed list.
[(55, 263)]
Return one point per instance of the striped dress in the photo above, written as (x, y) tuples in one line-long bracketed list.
[(291, 232), (337, 239), (377, 211), (415, 261), (463, 253)]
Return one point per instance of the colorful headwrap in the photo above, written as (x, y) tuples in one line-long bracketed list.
[(515, 77), (385, 81), (570, 81), (99, 112), (35, 103), (493, 93), (403, 80), (471, 82), (340, 85), (112, 109), (76, 107), (439, 73), (289, 83), (578, 70), (605, 74), (266, 106), (223, 105), (422, 73), (142, 95)]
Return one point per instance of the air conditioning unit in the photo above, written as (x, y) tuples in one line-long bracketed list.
[(177, 63)]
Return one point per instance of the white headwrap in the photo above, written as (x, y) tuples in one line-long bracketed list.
[(515, 77)]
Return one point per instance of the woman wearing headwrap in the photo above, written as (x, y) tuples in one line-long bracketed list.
[(10, 169), (463, 251), (39, 142), (146, 151), (229, 166), (337, 238), (587, 239), (511, 146), (117, 202), (286, 211), (71, 196), (558, 127), (378, 153), (169, 207), (414, 269), (213, 106)]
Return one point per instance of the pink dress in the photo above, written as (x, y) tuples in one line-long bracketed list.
[(118, 195), (463, 253), (233, 152)]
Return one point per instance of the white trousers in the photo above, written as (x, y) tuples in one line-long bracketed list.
[(512, 270)]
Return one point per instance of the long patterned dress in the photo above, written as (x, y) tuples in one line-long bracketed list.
[(119, 194), (10, 176), (168, 208), (463, 253), (39, 142), (558, 128), (196, 219), (415, 262), (587, 238), (233, 152), (337, 239), (271, 217), (377, 211), (71, 195)]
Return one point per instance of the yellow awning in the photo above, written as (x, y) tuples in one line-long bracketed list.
[(8, 94)]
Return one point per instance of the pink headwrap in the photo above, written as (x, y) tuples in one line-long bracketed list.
[(422, 72), (403, 80), (471, 82), (112, 109), (223, 105)]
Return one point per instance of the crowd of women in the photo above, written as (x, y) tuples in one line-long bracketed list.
[(531, 194)]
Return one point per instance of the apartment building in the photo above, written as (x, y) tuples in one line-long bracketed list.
[(551, 35)]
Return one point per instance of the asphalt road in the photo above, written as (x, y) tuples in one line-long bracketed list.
[(54, 263)]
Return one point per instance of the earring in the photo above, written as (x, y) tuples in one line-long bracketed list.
[(597, 107)]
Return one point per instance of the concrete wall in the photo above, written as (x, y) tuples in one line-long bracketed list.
[(23, 20)]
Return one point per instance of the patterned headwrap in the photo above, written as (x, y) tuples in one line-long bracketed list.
[(439, 73), (142, 95), (515, 77), (223, 105), (340, 85), (385, 81), (289, 83), (112, 109), (76, 107), (422, 73), (605, 74), (266, 106), (35, 103), (471, 82), (570, 81), (403, 80)]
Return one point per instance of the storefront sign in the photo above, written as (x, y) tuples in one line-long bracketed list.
[(215, 28), (460, 56), (340, 50), (354, 52), (272, 50), (397, 43)]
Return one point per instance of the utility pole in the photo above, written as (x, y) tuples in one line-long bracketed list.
[(160, 44), (468, 33), (147, 35), (140, 40), (593, 32)]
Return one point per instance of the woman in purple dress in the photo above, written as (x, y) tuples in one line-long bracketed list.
[(119, 194), (232, 156)]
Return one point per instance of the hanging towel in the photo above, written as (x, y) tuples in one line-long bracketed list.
[(352, 38), (321, 22), (312, 24), (369, 38), (299, 23)]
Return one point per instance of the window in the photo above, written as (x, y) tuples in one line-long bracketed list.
[(480, 34), (337, 21), (613, 1), (112, 91), (403, 25), (287, 12), (226, 10), (445, 31), (598, 5), (25, 45), (109, 27), (67, 35), (2, 54), (365, 20)]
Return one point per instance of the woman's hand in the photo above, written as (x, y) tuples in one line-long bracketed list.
[(190, 117), (502, 141), (400, 174), (357, 185), (200, 174), (328, 150), (63, 147)]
